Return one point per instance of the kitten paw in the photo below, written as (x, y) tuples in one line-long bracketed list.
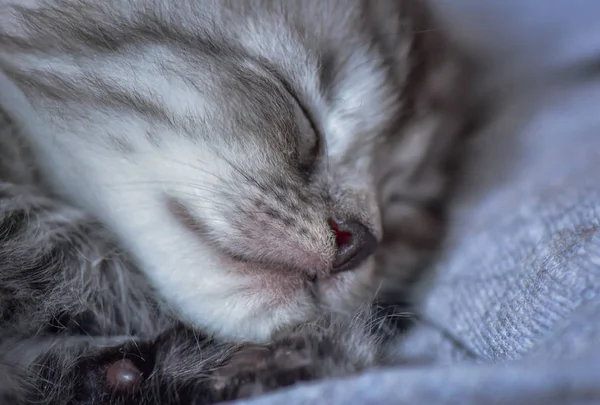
[(123, 375), (303, 355)]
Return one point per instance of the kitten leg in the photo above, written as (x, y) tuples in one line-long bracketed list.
[(332, 348), (60, 276), (45, 370), (184, 367), (171, 369), (59, 270), (64, 290)]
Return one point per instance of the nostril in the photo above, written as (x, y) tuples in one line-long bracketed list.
[(354, 243), (341, 237)]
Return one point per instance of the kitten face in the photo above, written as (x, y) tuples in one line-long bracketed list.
[(239, 165), (267, 185), (253, 202)]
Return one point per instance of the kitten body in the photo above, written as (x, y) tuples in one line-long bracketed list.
[(202, 161)]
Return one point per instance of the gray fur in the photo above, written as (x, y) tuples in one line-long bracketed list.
[(239, 128)]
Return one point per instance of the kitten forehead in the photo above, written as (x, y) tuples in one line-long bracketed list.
[(190, 78)]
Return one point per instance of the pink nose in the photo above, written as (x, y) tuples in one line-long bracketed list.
[(354, 243)]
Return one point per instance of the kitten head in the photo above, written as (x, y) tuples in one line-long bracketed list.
[(238, 162), (269, 194)]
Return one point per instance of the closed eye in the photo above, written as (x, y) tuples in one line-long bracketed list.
[(310, 144)]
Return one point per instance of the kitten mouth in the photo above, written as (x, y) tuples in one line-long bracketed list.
[(270, 274)]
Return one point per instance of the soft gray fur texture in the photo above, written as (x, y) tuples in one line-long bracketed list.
[(209, 144)]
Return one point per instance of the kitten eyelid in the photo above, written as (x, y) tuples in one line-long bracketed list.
[(308, 156), (314, 149)]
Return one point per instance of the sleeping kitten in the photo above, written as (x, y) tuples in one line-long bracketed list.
[(75, 331), (267, 164)]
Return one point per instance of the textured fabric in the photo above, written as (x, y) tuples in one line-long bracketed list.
[(523, 259), (512, 314)]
